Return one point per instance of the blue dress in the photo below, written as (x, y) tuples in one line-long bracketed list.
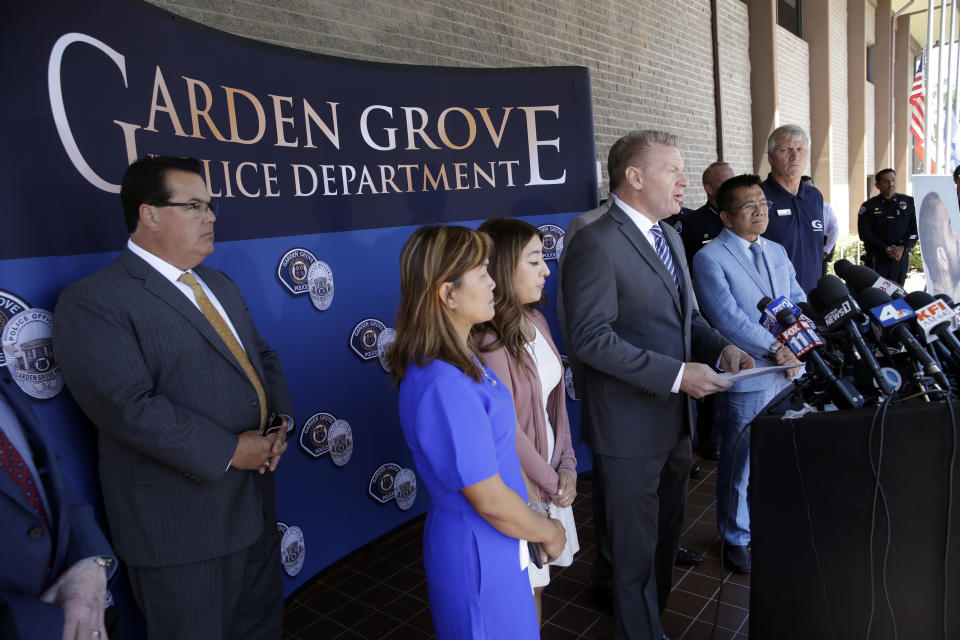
[(462, 432)]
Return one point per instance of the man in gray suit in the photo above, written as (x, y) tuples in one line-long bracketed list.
[(633, 323), (163, 357)]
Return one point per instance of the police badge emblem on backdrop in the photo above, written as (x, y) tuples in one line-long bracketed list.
[(365, 336), (340, 442), (314, 434), (384, 342), (392, 482), (10, 305), (552, 241), (294, 270), (568, 378), (320, 281), (293, 548), (28, 349), (323, 433)]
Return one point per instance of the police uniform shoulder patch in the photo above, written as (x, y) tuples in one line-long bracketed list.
[(340, 441), (363, 339), (320, 282), (294, 270), (293, 550), (314, 436), (384, 342), (552, 241), (405, 488), (381, 485), (863, 210), (28, 347), (10, 305)]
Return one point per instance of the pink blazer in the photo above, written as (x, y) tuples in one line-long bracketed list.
[(531, 426)]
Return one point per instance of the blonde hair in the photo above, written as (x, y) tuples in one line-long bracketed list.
[(631, 149), (432, 256)]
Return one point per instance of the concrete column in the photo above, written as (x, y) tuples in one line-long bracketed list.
[(903, 81), (856, 95), (880, 75), (816, 31), (763, 78)]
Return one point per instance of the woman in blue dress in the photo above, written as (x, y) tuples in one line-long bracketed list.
[(459, 422)]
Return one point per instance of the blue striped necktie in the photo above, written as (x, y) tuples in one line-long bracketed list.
[(660, 244)]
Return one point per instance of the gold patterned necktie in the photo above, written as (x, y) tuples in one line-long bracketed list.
[(220, 326)]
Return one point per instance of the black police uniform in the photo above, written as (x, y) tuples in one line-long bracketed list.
[(696, 227), (883, 222)]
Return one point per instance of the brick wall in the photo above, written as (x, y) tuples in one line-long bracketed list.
[(839, 109), (651, 65), (869, 142), (793, 72), (734, 31)]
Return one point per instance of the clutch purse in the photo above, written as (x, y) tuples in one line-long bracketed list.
[(535, 557)]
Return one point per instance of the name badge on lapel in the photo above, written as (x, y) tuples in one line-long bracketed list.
[(784, 212)]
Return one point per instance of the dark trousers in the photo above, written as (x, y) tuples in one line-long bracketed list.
[(706, 436), (895, 270), (643, 508), (239, 595)]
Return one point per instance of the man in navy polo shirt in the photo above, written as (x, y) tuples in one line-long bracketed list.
[(796, 209)]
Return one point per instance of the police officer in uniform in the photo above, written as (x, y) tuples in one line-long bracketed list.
[(887, 224), (699, 226)]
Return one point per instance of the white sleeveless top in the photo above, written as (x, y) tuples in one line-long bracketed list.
[(550, 370)]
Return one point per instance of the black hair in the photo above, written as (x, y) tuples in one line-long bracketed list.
[(145, 181), (726, 191), (876, 177)]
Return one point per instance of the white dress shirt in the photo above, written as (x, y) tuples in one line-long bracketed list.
[(171, 273)]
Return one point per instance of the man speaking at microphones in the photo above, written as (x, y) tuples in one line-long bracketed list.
[(730, 274), (634, 325)]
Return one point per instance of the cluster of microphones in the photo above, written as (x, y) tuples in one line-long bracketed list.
[(865, 340)]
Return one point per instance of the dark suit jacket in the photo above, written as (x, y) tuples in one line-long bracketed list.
[(75, 536), (631, 331), (169, 400)]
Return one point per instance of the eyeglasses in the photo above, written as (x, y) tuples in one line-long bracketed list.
[(195, 208), (753, 207)]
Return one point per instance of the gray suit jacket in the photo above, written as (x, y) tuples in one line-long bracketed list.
[(168, 399), (572, 229), (631, 331)]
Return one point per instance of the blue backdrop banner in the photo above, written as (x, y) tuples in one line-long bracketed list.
[(322, 166)]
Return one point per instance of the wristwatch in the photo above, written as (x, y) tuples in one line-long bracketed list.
[(104, 562)]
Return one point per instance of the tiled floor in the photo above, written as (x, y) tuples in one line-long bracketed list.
[(381, 592)]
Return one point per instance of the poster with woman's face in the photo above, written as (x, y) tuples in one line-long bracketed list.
[(938, 219)]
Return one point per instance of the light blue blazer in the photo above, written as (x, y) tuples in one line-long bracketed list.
[(728, 288)]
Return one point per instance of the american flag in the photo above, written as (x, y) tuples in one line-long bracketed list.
[(916, 109)]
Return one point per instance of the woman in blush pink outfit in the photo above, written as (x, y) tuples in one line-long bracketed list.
[(516, 344)]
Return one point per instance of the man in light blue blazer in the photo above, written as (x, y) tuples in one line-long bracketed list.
[(730, 275)]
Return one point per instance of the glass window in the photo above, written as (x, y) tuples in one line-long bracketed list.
[(788, 16)]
